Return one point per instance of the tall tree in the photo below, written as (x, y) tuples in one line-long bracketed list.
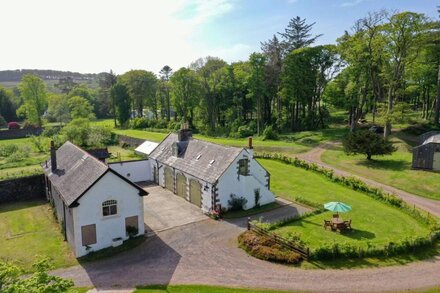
[(120, 96), (34, 94), (185, 90), (165, 74), (142, 88), (257, 86), (105, 107), (7, 107), (80, 108), (403, 40), (297, 35)]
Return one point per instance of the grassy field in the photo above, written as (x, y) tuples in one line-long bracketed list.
[(394, 170), (199, 289), (28, 230), (374, 223)]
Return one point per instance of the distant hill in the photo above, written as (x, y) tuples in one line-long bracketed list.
[(10, 78)]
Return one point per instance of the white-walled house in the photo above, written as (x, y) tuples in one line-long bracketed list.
[(94, 204), (207, 174)]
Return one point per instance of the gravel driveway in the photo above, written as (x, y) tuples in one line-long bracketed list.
[(206, 252)]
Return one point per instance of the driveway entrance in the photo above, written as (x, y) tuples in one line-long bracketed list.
[(164, 210)]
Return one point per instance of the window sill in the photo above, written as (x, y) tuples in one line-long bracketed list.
[(111, 217)]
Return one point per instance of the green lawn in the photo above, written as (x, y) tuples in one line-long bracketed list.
[(374, 223), (122, 154), (199, 289), (28, 230), (394, 170)]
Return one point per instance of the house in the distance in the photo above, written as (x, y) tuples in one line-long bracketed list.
[(96, 206), (427, 155), (207, 174)]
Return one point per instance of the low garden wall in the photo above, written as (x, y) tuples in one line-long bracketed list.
[(131, 141), (21, 189), (20, 133), (346, 250)]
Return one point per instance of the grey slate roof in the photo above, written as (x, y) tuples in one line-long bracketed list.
[(77, 171), (187, 162), (433, 139)]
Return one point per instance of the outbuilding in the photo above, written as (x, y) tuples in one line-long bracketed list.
[(210, 175), (427, 155), (96, 206)]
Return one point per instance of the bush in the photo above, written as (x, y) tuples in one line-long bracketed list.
[(264, 248), (2, 121), (368, 143), (270, 133), (40, 143), (139, 123), (13, 125), (173, 125), (50, 131), (236, 203), (20, 154), (8, 149)]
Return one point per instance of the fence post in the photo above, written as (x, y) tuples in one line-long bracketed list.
[(249, 223)]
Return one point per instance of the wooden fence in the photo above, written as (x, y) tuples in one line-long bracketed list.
[(303, 251)]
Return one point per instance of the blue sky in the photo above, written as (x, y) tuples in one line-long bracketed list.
[(98, 35)]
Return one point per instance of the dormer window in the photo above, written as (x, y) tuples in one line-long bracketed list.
[(109, 207)]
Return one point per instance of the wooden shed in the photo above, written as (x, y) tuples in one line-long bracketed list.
[(427, 155)]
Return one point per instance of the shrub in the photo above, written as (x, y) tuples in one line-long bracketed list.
[(173, 125), (139, 123), (50, 131), (264, 248), (368, 143), (8, 149), (270, 133), (13, 125), (20, 154), (236, 203), (40, 143), (132, 231)]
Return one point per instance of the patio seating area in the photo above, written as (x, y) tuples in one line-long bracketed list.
[(337, 224)]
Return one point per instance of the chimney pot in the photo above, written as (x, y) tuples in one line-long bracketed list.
[(53, 156)]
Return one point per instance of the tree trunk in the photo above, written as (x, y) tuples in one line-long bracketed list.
[(387, 129), (437, 104)]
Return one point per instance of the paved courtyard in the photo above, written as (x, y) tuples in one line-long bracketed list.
[(164, 210)]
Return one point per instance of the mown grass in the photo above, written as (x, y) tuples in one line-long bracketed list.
[(28, 230), (199, 289), (374, 223), (394, 170)]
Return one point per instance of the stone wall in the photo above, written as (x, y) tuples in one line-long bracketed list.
[(19, 133), (21, 189)]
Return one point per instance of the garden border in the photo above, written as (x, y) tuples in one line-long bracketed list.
[(356, 184)]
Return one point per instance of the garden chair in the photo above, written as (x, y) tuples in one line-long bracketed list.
[(348, 224), (328, 224)]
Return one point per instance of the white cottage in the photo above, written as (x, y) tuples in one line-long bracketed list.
[(207, 174), (96, 206)]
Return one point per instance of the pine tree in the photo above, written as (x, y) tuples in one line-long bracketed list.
[(297, 35)]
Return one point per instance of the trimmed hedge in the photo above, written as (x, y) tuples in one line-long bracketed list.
[(333, 250)]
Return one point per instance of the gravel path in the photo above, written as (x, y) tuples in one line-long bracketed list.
[(430, 205), (206, 252)]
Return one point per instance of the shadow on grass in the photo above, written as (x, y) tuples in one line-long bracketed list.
[(394, 165), (358, 234), (9, 207)]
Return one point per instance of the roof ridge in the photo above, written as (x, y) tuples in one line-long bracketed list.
[(218, 144), (87, 153)]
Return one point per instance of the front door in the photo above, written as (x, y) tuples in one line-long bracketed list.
[(181, 185)]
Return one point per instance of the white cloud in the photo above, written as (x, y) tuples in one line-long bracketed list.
[(232, 53), (352, 3), (98, 35)]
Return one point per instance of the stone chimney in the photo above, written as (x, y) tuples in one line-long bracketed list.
[(53, 156), (250, 148), (184, 134)]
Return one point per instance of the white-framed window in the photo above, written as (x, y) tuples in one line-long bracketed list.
[(109, 207)]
